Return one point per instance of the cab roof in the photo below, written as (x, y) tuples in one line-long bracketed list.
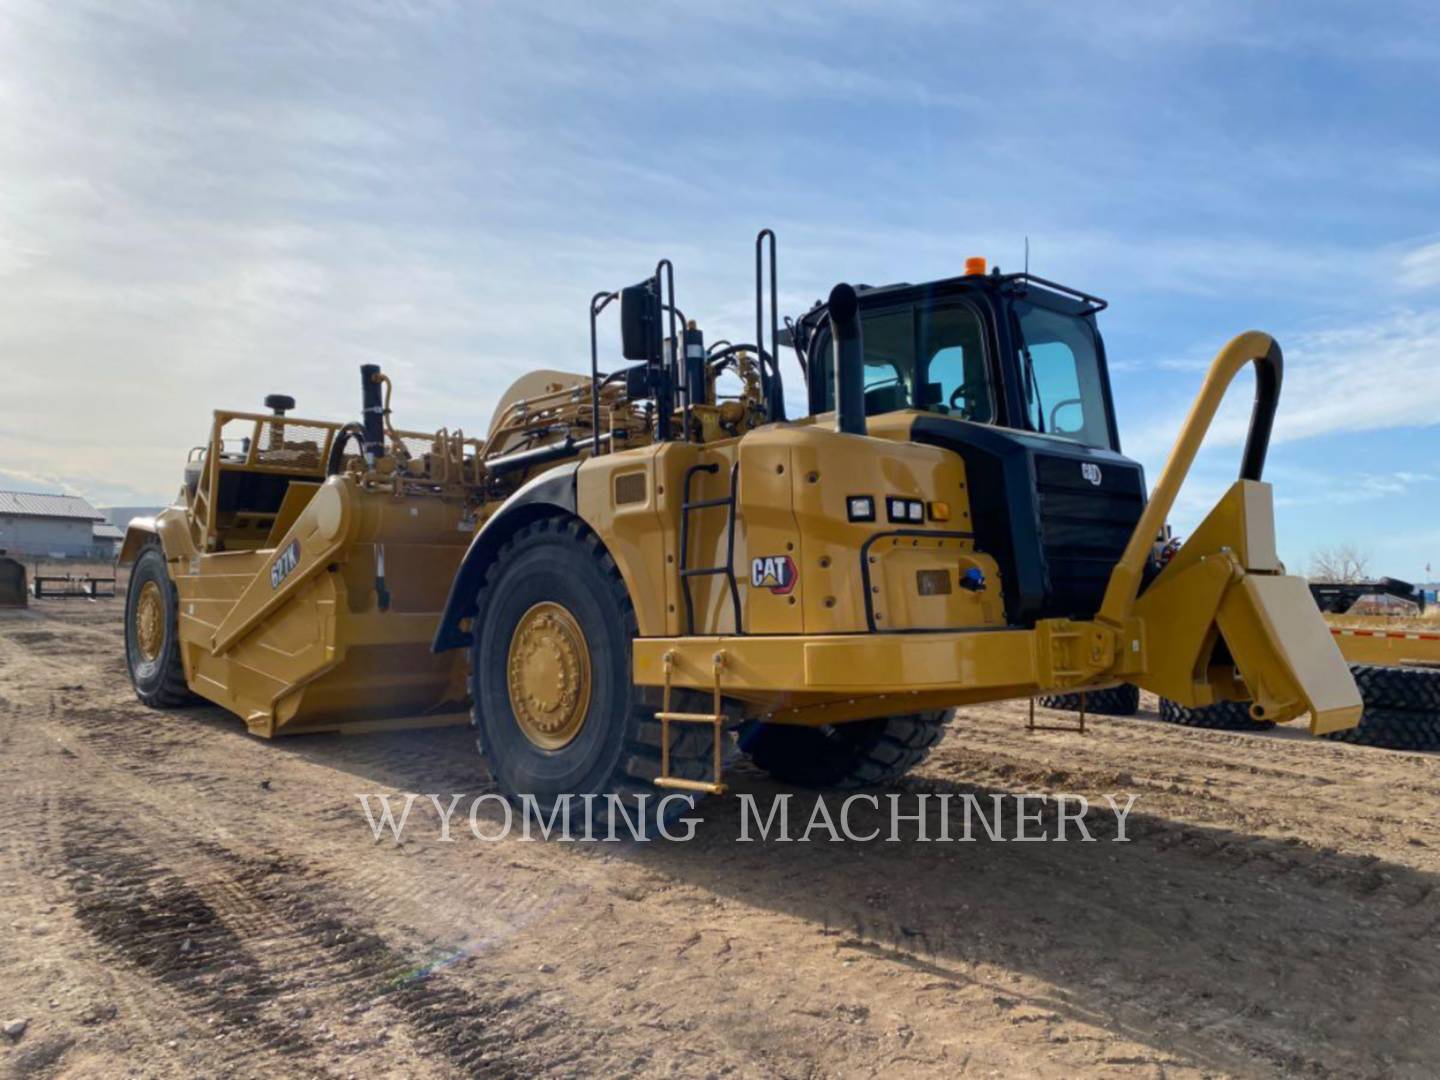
[(1051, 294)]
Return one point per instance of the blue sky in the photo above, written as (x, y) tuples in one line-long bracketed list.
[(204, 203)]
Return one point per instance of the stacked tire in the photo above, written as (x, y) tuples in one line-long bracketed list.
[(1223, 716), (1122, 700), (1402, 708)]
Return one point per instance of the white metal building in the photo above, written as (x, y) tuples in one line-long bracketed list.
[(56, 526)]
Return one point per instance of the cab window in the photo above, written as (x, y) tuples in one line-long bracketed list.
[(1060, 365), (921, 358), (954, 363), (889, 361)]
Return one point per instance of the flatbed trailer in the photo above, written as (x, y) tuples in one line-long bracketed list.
[(1389, 648)]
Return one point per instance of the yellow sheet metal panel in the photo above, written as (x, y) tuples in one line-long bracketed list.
[(913, 661), (708, 527), (771, 565), (138, 533), (642, 535), (1242, 523), (1178, 614), (1286, 655), (913, 582), (797, 710), (298, 494), (294, 639), (797, 555), (1258, 551), (319, 533)]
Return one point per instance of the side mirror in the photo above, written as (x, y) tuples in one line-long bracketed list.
[(640, 322)]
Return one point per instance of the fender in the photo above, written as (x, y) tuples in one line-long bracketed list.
[(551, 492), (168, 528), (138, 533)]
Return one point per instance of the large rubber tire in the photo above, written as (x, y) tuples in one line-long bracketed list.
[(1393, 729), (159, 682), (1122, 700), (858, 754), (1414, 688), (617, 747), (1223, 716)]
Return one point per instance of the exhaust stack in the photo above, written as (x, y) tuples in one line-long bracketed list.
[(849, 345), (372, 412)]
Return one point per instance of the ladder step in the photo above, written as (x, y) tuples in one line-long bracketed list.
[(691, 717), (690, 785), (687, 506)]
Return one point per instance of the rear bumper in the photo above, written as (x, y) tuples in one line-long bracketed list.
[(835, 678), (835, 664)]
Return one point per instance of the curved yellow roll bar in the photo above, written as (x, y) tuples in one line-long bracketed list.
[(1253, 346)]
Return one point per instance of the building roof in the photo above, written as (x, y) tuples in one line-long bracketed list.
[(33, 504), (103, 530)]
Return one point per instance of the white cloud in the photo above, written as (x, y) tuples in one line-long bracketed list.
[(1381, 374), (1420, 269)]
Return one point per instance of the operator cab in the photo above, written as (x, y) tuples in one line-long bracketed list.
[(1007, 371), (1009, 350)]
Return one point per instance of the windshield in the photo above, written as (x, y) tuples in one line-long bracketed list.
[(922, 357), (1060, 367)]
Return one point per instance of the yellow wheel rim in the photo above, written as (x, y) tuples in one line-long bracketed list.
[(150, 621), (549, 676)]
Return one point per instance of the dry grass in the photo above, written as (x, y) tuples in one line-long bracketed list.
[(1430, 620)]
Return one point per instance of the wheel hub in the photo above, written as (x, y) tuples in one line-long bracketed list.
[(150, 621), (549, 675)]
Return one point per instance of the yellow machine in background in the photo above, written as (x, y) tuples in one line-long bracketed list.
[(632, 565), (298, 604)]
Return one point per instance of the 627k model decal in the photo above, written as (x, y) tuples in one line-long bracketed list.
[(284, 563)]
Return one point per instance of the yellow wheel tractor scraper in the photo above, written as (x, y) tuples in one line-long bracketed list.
[(634, 564)]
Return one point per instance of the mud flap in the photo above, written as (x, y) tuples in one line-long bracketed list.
[(1286, 653)]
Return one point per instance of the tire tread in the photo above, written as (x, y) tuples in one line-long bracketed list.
[(1122, 700), (172, 691), (639, 762), (880, 752), (1222, 716)]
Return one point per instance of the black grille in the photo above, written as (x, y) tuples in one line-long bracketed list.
[(1087, 512)]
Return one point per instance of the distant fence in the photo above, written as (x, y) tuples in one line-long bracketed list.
[(66, 586)]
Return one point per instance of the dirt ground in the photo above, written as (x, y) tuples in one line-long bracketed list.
[(180, 899)]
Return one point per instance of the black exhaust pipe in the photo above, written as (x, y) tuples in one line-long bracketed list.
[(372, 413), (849, 348)]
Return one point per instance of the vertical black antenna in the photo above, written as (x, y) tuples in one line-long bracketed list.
[(774, 390), (1027, 256)]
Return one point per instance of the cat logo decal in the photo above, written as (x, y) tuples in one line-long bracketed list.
[(774, 572)]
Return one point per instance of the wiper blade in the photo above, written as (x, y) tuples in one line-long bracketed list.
[(1032, 386)]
